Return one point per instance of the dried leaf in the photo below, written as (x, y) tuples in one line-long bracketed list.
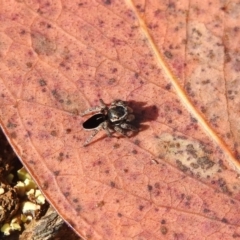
[(177, 65)]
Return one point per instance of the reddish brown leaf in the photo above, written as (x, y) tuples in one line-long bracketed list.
[(177, 65)]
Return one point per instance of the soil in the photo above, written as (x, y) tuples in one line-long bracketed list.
[(47, 226)]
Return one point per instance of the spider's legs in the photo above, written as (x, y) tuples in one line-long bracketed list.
[(100, 108), (120, 130), (130, 118), (89, 139), (123, 127), (95, 131), (128, 127), (105, 126), (102, 103)]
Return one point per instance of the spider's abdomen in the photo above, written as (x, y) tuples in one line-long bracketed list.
[(94, 121), (116, 113)]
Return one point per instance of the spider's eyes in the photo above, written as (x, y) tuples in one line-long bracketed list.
[(116, 113)]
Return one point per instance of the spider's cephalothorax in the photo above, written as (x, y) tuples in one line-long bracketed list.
[(112, 118)]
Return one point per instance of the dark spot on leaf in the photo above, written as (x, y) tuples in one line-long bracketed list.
[(227, 55), (194, 120), (134, 151), (198, 33), (114, 70), (42, 82), (191, 151), (56, 173), (179, 111), (236, 235), (137, 142), (171, 5), (68, 102), (136, 75), (206, 81), (66, 194), (32, 162), (205, 210), (182, 196), (141, 207), (194, 165), (56, 94), (22, 32), (99, 162), (29, 134), (100, 204), (224, 220), (45, 185), (168, 54), (140, 8), (224, 8), (78, 208), (149, 187), (205, 162), (111, 81), (168, 86), (75, 112), (29, 64), (163, 230), (53, 133), (116, 145), (236, 29), (107, 2), (11, 125), (177, 29), (203, 109), (60, 156), (112, 184), (181, 166), (152, 26), (188, 89), (225, 189), (68, 130), (157, 12)]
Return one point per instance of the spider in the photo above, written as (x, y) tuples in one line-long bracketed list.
[(113, 118)]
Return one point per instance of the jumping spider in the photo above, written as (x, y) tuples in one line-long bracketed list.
[(113, 118)]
